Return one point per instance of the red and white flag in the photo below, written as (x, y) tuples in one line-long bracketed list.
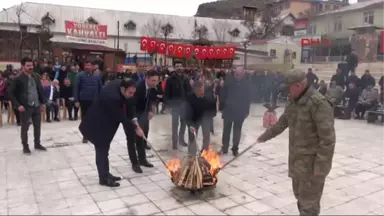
[(144, 43)]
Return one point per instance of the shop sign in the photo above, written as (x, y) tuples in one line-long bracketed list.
[(86, 33)]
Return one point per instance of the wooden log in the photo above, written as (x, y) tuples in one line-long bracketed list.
[(11, 113)]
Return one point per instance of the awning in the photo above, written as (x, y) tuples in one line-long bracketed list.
[(90, 47)]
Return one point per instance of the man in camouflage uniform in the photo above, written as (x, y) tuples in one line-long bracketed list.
[(309, 117)]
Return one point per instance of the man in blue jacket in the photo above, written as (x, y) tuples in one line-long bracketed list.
[(102, 120), (87, 87)]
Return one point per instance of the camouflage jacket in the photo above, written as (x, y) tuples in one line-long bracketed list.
[(311, 135)]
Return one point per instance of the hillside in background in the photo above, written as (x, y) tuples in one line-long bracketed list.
[(226, 9)]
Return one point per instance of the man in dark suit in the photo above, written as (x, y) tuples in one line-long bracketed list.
[(102, 120), (145, 104), (236, 105), (27, 96), (176, 89)]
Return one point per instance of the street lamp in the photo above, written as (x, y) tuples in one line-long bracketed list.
[(166, 30), (245, 43)]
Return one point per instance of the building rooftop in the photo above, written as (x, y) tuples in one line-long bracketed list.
[(352, 7), (183, 26)]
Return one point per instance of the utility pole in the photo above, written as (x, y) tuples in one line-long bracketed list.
[(118, 34)]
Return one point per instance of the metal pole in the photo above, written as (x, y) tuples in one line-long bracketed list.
[(118, 34), (157, 154), (245, 56), (241, 153), (166, 49)]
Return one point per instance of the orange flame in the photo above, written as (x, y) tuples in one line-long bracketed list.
[(213, 159), (173, 166)]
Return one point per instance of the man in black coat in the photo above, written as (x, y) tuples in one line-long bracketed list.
[(145, 107), (236, 105), (102, 120), (199, 111), (176, 89), (27, 96)]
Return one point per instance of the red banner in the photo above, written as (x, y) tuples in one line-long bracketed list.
[(152, 45), (86, 33), (382, 42), (186, 50), (144, 43), (171, 47), (161, 47), (179, 51)]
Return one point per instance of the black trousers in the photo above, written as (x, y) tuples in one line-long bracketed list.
[(140, 142), (177, 134), (34, 114), (52, 108), (206, 126), (17, 115), (102, 161), (131, 145), (362, 108), (227, 129), (71, 107), (84, 106)]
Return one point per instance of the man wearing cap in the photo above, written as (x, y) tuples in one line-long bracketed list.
[(309, 117)]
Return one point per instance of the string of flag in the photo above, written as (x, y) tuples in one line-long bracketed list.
[(186, 50)]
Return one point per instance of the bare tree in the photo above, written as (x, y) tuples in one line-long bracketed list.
[(222, 29), (200, 32), (23, 29), (264, 24), (152, 28)]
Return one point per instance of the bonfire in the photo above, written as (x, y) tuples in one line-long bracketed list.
[(195, 173)]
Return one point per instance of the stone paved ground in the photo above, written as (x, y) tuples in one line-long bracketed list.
[(63, 180)]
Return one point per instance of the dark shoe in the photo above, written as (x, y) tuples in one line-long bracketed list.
[(27, 151), (137, 169), (147, 147), (40, 147), (114, 178), (75, 118), (70, 119), (57, 119), (183, 143), (49, 121), (224, 151), (18, 124), (85, 140), (109, 182), (235, 152), (146, 164)]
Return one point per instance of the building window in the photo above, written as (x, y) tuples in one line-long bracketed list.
[(311, 29), (337, 25), (272, 53), (369, 17), (293, 55), (327, 7), (320, 8)]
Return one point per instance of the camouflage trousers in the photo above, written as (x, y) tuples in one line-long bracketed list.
[(308, 195)]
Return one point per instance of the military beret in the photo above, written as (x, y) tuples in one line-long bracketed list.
[(294, 76)]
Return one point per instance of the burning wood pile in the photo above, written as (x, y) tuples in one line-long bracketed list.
[(195, 173)]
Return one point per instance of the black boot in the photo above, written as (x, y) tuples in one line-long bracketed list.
[(114, 178), (40, 147), (146, 164), (235, 152), (85, 140), (223, 151), (26, 150), (109, 182), (137, 169)]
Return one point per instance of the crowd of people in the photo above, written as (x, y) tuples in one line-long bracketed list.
[(352, 94), (107, 99)]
